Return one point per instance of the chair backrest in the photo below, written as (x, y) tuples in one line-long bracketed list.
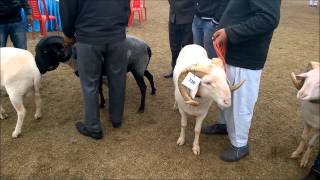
[(36, 13)]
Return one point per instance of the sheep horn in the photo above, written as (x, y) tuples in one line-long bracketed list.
[(296, 83), (236, 86), (198, 70)]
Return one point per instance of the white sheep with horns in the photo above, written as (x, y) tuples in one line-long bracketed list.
[(308, 84), (213, 87)]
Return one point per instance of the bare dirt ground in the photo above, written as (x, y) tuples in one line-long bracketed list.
[(145, 147)]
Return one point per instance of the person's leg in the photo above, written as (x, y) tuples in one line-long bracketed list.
[(186, 34), (89, 63), (175, 46), (18, 35), (209, 28), (3, 35), (116, 63), (238, 117), (197, 30)]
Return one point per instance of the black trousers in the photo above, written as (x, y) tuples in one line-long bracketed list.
[(91, 61), (179, 36)]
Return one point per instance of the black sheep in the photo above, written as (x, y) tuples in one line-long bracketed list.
[(50, 52)]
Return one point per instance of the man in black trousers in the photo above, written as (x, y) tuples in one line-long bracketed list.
[(100, 29), (180, 28)]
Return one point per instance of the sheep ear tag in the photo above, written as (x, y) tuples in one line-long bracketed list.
[(192, 83)]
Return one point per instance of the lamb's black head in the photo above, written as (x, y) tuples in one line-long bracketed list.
[(50, 52)]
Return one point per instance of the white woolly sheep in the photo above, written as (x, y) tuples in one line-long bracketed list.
[(308, 85), (213, 87), (19, 75)]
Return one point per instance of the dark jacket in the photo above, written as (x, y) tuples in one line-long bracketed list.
[(210, 8), (181, 11), (95, 22), (10, 10), (249, 26)]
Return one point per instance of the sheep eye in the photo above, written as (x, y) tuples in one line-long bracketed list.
[(208, 83)]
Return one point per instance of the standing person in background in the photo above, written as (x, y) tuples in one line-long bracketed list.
[(205, 21), (246, 30), (11, 22), (180, 28), (100, 29)]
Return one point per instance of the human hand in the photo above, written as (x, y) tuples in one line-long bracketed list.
[(220, 37), (29, 19), (67, 41)]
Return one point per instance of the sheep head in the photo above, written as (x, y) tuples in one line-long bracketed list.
[(308, 83), (50, 52), (213, 84)]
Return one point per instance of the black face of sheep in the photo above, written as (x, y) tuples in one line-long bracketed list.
[(50, 52)]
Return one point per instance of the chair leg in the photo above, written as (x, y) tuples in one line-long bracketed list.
[(140, 16), (145, 12), (42, 28), (131, 18)]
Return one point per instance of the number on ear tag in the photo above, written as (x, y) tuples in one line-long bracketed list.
[(191, 81)]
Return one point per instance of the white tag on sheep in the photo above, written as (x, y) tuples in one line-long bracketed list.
[(192, 82)]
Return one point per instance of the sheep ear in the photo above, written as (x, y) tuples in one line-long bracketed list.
[(313, 65), (217, 61), (301, 76)]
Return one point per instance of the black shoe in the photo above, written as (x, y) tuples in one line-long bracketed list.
[(313, 175), (215, 129), (84, 131), (168, 75), (234, 153)]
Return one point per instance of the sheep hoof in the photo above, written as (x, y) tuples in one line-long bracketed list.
[(196, 150), (294, 155), (180, 141), (303, 163), (37, 116), (141, 111), (3, 115), (15, 134)]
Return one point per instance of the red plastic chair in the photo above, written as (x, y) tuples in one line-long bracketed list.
[(36, 15), (135, 5)]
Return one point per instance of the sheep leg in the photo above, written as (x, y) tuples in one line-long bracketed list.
[(197, 129), (102, 101), (37, 99), (175, 106), (304, 138), (17, 103), (182, 136), (3, 113), (150, 78), (312, 141), (143, 89)]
